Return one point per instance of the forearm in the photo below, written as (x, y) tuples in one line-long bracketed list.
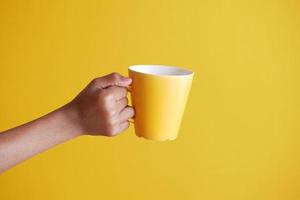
[(27, 140)]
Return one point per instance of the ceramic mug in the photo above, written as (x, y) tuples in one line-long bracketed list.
[(159, 94)]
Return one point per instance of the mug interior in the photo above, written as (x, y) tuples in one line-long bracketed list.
[(161, 70)]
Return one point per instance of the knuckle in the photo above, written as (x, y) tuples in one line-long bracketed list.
[(107, 97), (104, 97), (115, 75), (111, 131), (109, 134), (95, 81), (112, 115), (111, 119)]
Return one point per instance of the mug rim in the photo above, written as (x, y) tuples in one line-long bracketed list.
[(180, 70)]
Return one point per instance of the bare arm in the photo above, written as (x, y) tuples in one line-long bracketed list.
[(100, 109)]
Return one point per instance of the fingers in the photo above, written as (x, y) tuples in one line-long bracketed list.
[(123, 126), (113, 79), (121, 104), (123, 123), (117, 92), (126, 114)]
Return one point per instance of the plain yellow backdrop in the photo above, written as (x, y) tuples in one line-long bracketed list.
[(240, 134)]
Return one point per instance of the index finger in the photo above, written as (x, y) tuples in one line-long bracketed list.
[(117, 92)]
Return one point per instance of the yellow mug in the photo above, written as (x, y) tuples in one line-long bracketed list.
[(159, 94)]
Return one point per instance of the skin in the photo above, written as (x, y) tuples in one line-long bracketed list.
[(100, 109)]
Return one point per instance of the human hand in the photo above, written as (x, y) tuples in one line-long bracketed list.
[(101, 108)]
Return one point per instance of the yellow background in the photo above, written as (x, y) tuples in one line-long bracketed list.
[(240, 134)]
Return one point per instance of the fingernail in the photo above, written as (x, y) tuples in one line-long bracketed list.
[(127, 80)]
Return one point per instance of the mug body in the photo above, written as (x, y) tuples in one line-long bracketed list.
[(159, 95)]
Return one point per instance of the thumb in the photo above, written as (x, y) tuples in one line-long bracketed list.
[(114, 79)]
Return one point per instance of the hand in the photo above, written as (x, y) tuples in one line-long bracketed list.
[(101, 108)]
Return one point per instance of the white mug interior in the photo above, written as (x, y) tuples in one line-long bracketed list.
[(160, 70)]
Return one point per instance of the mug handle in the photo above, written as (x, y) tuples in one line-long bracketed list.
[(130, 104)]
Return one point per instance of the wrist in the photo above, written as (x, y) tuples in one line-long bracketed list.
[(70, 120)]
